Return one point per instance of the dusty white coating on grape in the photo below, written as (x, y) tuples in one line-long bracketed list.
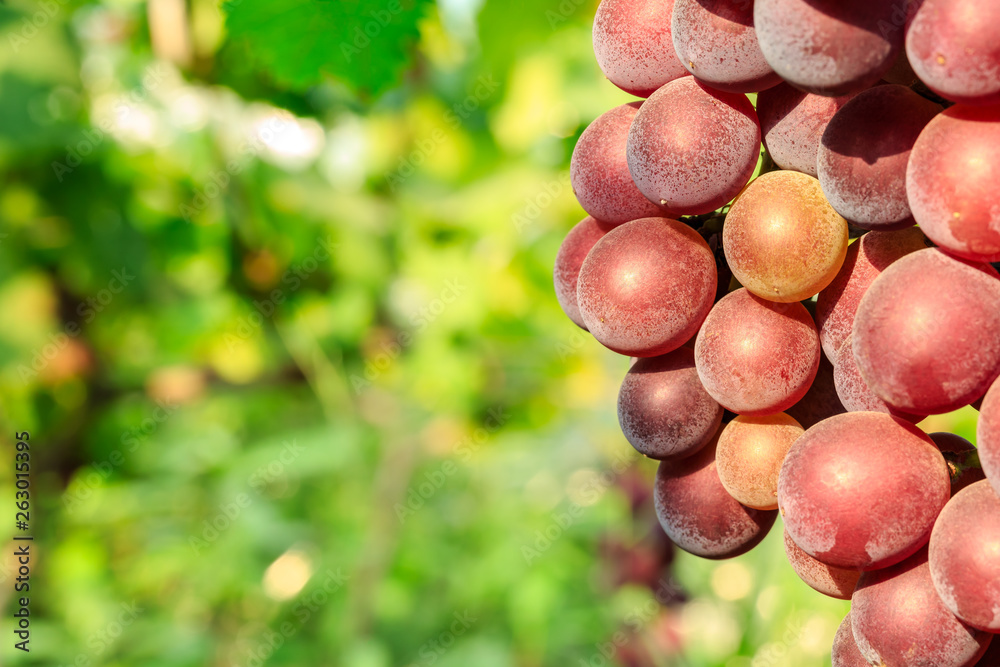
[(951, 182), (845, 649), (792, 122), (756, 357), (829, 47), (866, 259), (599, 171), (988, 435), (663, 409), (864, 153), (852, 389), (954, 47), (898, 619), (646, 287), (861, 490), (692, 149), (569, 259), (927, 332), (697, 513), (633, 44), (716, 42), (965, 556)]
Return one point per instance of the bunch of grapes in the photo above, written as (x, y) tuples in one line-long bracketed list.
[(777, 364)]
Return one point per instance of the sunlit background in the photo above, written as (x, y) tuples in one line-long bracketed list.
[(275, 288)]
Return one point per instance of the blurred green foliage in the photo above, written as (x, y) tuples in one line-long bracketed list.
[(277, 313)]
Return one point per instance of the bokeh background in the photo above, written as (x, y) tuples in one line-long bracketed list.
[(276, 309)]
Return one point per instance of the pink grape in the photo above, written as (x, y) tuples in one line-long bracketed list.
[(749, 457), (633, 44), (954, 47), (951, 182), (862, 490), (697, 513), (691, 148), (716, 42), (845, 649), (646, 287), (835, 582), (756, 357), (988, 435), (572, 252), (898, 619), (864, 152), (854, 392), (599, 171), (866, 259), (793, 122), (927, 332), (829, 47)]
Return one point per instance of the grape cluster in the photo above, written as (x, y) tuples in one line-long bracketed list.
[(778, 364)]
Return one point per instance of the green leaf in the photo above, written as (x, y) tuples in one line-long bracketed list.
[(365, 44)]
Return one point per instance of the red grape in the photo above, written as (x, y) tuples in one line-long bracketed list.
[(633, 44), (898, 619), (965, 556), (828, 47), (854, 392), (783, 240), (866, 259), (864, 153), (793, 122), (861, 490), (691, 148), (663, 409), (697, 513), (845, 649), (756, 357), (572, 252), (835, 582), (646, 287), (988, 435), (927, 332), (716, 42), (599, 171), (954, 47), (952, 181)]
